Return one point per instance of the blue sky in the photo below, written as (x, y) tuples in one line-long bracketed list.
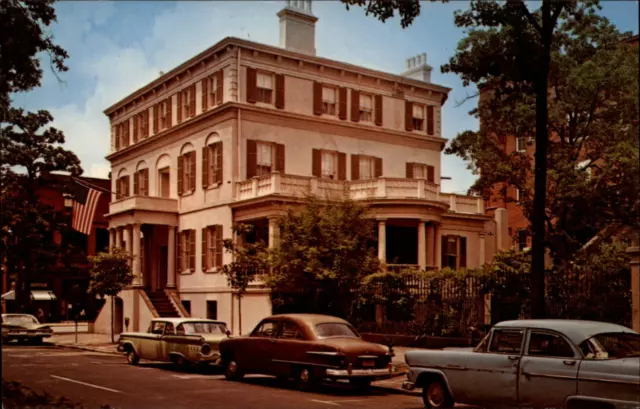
[(117, 47)]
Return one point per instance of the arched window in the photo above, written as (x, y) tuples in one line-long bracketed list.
[(212, 161), (122, 185), (163, 172), (141, 180), (187, 170)]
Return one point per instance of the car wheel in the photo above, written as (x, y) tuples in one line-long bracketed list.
[(231, 371), (181, 363), (132, 357), (435, 395), (362, 384), (306, 380)]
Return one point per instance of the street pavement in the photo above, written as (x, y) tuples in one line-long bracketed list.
[(95, 379)]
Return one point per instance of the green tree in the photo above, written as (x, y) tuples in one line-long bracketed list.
[(250, 260), (511, 46), (29, 149), (110, 274), (325, 250), (593, 173), (24, 25), (26, 152)]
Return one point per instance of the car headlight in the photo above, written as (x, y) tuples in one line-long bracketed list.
[(205, 349)]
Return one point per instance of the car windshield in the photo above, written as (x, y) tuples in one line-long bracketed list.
[(333, 330), (19, 319), (611, 346), (204, 328)]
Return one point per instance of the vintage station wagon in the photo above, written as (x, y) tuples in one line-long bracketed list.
[(308, 348), (535, 363), (183, 341)]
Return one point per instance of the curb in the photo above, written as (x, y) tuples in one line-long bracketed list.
[(86, 348)]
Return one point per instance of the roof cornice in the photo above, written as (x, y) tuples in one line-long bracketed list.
[(250, 45)]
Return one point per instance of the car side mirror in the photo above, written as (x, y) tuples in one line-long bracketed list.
[(228, 333)]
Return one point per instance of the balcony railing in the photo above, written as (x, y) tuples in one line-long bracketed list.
[(149, 203), (380, 188)]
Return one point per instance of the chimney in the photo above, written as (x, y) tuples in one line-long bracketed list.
[(418, 69), (298, 27)]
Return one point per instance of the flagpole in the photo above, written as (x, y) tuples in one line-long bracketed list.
[(91, 186)]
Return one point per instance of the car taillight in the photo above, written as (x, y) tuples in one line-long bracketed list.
[(205, 349)]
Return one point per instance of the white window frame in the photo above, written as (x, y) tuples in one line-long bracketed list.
[(260, 166), (366, 114), (521, 144), (420, 171), (186, 97), (162, 115), (329, 107), (414, 119), (325, 172), (186, 173), (366, 164), (212, 159), (213, 82), (261, 91), (211, 248)]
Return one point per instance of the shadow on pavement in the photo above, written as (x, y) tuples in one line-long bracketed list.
[(17, 396), (192, 369), (341, 389)]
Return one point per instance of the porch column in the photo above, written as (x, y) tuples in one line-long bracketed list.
[(112, 239), (137, 281), (126, 236), (634, 252), (274, 232), (118, 239), (171, 257), (430, 249), (482, 249), (422, 245), (437, 238), (382, 241)]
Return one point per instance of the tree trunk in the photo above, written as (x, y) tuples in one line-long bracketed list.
[(540, 172)]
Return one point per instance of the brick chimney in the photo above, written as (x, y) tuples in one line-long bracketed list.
[(418, 69), (298, 27)]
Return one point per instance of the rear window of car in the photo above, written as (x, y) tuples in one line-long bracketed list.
[(337, 329), (19, 319)]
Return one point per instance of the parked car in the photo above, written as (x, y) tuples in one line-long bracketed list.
[(535, 363), (183, 341), (308, 348), (23, 327)]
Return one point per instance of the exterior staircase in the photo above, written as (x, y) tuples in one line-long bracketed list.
[(162, 304)]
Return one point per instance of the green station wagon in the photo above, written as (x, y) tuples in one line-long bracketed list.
[(183, 341)]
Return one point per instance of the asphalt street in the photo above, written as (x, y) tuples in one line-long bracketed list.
[(93, 380)]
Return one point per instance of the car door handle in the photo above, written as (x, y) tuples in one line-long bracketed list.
[(570, 363), (513, 357)]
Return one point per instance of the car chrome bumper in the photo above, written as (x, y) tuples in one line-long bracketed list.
[(356, 373), (408, 386), (213, 357), (24, 335)]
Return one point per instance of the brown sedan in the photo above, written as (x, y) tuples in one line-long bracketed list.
[(308, 348)]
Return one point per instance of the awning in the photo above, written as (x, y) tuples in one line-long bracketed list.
[(36, 295), (42, 295), (11, 295)]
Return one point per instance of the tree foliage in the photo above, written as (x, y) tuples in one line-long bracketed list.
[(593, 154), (325, 250), (249, 261), (110, 272), (383, 10), (24, 26)]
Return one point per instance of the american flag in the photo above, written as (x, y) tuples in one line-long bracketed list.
[(85, 202)]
